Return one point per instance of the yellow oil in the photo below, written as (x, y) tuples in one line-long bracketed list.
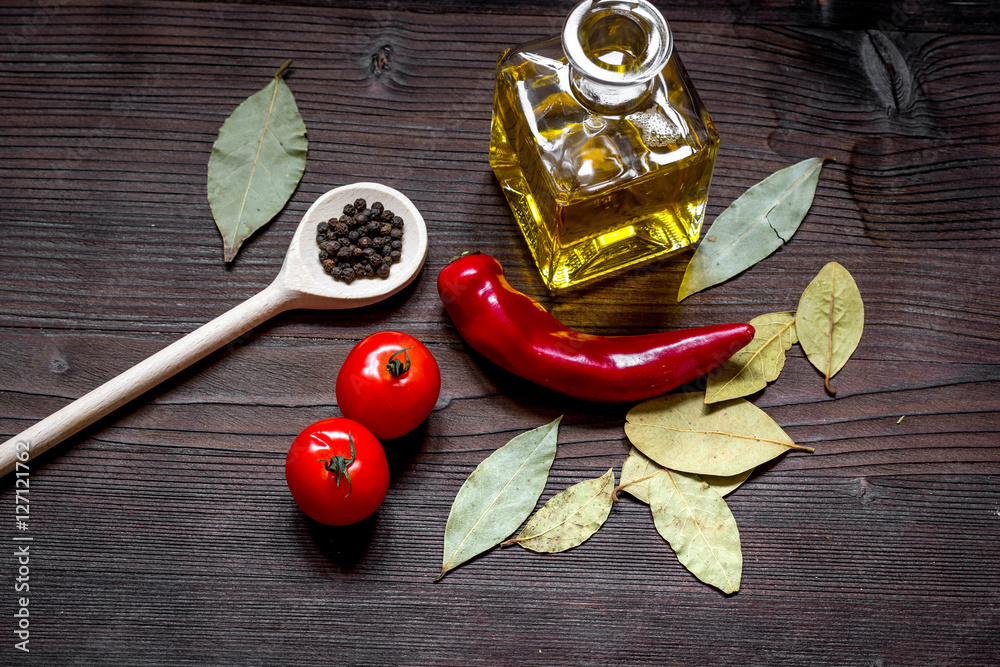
[(597, 192)]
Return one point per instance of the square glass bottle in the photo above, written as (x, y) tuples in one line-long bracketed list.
[(601, 144)]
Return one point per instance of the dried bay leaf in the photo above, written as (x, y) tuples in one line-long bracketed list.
[(498, 495), (760, 362), (682, 432), (638, 470), (570, 517), (256, 163), (726, 485), (701, 530), (830, 320), (755, 225)]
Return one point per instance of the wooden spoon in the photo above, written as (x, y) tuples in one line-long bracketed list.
[(301, 283)]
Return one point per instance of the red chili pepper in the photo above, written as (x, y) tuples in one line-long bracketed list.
[(518, 334)]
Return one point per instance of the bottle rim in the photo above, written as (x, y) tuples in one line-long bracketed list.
[(658, 49)]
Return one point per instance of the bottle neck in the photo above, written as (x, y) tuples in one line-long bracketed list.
[(615, 49)]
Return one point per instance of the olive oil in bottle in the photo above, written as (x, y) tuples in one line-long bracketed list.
[(601, 144)]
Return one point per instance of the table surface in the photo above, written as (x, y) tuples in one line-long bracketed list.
[(165, 532)]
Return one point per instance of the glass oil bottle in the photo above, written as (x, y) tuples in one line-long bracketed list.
[(601, 144)]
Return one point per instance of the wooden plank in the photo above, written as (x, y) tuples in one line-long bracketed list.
[(908, 15), (161, 112), (865, 569), (286, 383)]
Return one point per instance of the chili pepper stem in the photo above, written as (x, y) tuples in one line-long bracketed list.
[(467, 252)]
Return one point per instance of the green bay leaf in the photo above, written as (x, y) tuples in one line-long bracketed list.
[(755, 225), (699, 526), (760, 362), (638, 470), (256, 163), (830, 320), (570, 517), (498, 495), (682, 432)]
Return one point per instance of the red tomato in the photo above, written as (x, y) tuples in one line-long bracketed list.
[(333, 482), (389, 382)]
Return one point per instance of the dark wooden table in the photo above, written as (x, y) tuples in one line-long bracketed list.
[(165, 533)]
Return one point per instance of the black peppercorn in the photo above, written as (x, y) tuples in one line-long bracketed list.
[(361, 243)]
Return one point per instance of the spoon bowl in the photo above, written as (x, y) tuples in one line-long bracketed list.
[(303, 273), (301, 283)]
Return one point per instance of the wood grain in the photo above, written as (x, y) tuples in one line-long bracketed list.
[(164, 533)]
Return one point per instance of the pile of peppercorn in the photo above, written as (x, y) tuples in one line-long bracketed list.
[(363, 243)]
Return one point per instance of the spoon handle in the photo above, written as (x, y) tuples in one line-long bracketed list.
[(144, 376)]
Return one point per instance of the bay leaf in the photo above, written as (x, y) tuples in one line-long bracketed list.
[(726, 485), (682, 432), (699, 526), (498, 495), (638, 470), (755, 225), (256, 163), (830, 320), (570, 517), (760, 362)]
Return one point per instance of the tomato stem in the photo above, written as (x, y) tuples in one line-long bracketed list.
[(338, 465), (395, 366)]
